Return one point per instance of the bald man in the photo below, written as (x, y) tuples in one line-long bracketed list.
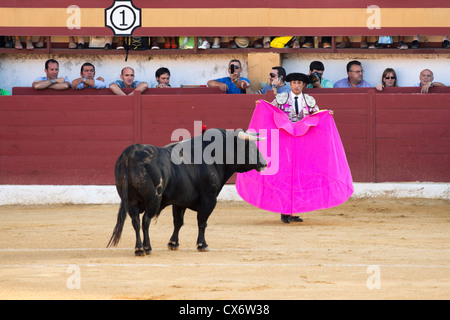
[(127, 81), (426, 81)]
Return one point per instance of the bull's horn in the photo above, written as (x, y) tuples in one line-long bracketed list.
[(247, 136)]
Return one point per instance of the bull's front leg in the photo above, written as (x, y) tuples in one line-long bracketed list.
[(178, 221)]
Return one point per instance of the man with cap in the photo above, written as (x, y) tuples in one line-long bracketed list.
[(296, 104)]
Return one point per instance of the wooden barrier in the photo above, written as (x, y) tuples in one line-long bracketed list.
[(397, 135)]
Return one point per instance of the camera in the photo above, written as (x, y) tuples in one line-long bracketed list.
[(315, 77), (232, 69)]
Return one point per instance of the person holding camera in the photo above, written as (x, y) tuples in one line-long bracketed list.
[(316, 70), (234, 84), (277, 84)]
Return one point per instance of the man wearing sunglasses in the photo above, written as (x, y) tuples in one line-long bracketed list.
[(234, 84), (277, 82)]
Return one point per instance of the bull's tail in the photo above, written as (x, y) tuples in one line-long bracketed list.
[(122, 215), (117, 233)]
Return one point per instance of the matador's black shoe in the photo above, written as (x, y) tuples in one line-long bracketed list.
[(288, 219)]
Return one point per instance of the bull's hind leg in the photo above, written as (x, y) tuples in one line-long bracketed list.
[(145, 229), (178, 220), (134, 215)]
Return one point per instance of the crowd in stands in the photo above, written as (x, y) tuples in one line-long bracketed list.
[(204, 43), (234, 83)]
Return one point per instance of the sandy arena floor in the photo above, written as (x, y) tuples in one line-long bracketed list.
[(364, 249)]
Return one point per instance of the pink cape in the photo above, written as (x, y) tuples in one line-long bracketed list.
[(307, 167)]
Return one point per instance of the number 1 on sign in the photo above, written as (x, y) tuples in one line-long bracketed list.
[(123, 18)]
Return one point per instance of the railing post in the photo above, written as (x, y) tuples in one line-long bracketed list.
[(137, 117), (371, 137)]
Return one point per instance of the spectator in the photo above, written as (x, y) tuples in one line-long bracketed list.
[(309, 43), (9, 42), (346, 43), (127, 81), (261, 42), (169, 43), (18, 44), (51, 79), (316, 68), (120, 44), (231, 43), (216, 43), (87, 78), (163, 78), (355, 77), (277, 82), (445, 42), (234, 84), (205, 44), (4, 92), (415, 42), (98, 42), (401, 43), (76, 45), (388, 79), (426, 81)]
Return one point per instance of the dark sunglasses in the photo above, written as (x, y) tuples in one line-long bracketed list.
[(273, 75), (391, 78), (235, 67)]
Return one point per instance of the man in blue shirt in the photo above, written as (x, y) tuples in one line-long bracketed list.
[(355, 77), (87, 78), (51, 80), (127, 81), (234, 84)]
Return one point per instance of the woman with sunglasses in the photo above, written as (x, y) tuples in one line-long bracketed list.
[(388, 79), (234, 84)]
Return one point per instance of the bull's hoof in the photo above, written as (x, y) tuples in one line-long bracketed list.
[(202, 248), (147, 251), (173, 246), (139, 252)]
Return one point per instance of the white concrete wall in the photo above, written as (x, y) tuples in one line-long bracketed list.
[(31, 195), (407, 67), (20, 70)]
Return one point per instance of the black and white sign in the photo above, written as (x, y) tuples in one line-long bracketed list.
[(123, 17)]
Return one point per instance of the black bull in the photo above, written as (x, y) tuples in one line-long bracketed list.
[(188, 174)]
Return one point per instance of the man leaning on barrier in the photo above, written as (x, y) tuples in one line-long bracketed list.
[(51, 80), (127, 81)]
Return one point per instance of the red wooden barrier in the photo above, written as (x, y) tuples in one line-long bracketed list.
[(396, 135)]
